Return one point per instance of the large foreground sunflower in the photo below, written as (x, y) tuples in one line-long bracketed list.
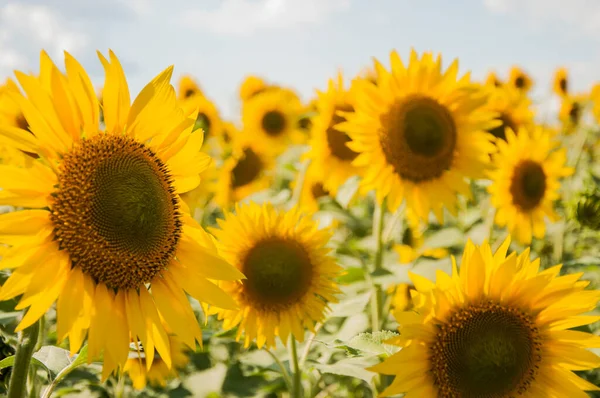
[(329, 150), (290, 274), (498, 328), (103, 233), (419, 134), (526, 181), (270, 120)]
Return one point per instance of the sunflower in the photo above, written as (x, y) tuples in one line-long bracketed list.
[(329, 150), (230, 132), (290, 274), (104, 233), (251, 86), (493, 80), (10, 114), (525, 183), (188, 88), (208, 115), (271, 120), (158, 372), (412, 248), (561, 82), (400, 293), (519, 79), (419, 134), (571, 112), (313, 189), (498, 328), (243, 173), (512, 107)]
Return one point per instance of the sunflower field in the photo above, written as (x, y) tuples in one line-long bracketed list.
[(408, 232)]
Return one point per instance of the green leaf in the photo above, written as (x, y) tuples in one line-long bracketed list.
[(374, 343), (352, 367), (7, 362), (54, 358)]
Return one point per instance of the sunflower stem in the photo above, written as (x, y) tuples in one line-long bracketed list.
[(297, 385), (25, 347), (308, 344), (378, 218), (284, 372)]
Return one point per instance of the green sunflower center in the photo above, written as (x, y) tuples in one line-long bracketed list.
[(278, 271), (203, 121), (273, 123), (318, 190), (500, 131), (418, 138), (486, 350), (336, 139), (115, 211), (520, 82), (247, 169), (528, 185)]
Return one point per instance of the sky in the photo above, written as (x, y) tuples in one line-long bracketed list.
[(302, 43)]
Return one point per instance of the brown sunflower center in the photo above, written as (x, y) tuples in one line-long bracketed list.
[(520, 82), (336, 139), (247, 169), (273, 123), (189, 92), (562, 85), (500, 131), (115, 211), (318, 190), (528, 185), (278, 272), (418, 138), (485, 350), (575, 112)]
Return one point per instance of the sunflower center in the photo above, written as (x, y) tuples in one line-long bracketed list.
[(418, 138), (247, 169), (500, 131), (336, 139), (528, 185), (486, 350), (520, 82), (575, 112), (273, 123), (562, 84), (189, 92), (318, 190), (278, 272), (204, 121), (115, 211)]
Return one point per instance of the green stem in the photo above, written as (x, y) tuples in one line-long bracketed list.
[(308, 344), (378, 218), (284, 372), (25, 346), (297, 387)]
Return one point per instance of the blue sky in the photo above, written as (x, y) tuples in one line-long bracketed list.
[(301, 43)]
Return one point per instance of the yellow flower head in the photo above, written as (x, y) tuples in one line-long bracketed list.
[(525, 182), (513, 109), (499, 327), (251, 86), (561, 82), (290, 273), (208, 115), (419, 134), (313, 189), (158, 372), (11, 114), (104, 233), (329, 150), (188, 88), (493, 80), (571, 111), (520, 80)]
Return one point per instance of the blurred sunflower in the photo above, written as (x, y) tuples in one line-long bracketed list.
[(401, 300), (11, 115), (513, 109), (230, 132), (290, 274), (561, 82), (245, 172), (571, 111), (188, 88), (271, 120), (498, 328), (493, 80), (419, 134), (208, 115), (525, 183), (313, 189), (158, 372), (520, 80), (328, 145), (412, 248), (104, 234), (251, 86)]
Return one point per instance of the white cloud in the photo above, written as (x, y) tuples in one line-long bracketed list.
[(581, 17), (239, 17), (25, 29)]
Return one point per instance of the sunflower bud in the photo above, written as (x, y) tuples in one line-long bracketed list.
[(587, 211)]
